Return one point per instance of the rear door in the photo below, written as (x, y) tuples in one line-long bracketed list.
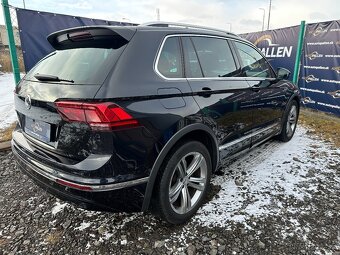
[(224, 98), (267, 91)]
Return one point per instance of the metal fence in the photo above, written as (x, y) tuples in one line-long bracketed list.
[(13, 41)]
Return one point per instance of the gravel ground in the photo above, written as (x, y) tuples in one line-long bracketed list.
[(281, 198)]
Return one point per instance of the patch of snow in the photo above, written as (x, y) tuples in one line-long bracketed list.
[(58, 207), (107, 235), (7, 111), (272, 170), (83, 226), (127, 219), (52, 222), (88, 245)]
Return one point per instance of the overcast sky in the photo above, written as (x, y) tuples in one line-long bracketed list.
[(243, 15)]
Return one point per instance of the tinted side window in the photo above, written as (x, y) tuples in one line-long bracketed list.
[(253, 64), (170, 61), (215, 57), (192, 66)]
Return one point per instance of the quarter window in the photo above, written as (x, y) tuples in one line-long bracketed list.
[(252, 62), (215, 57), (170, 61)]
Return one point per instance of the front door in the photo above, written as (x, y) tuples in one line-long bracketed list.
[(269, 97), (223, 96)]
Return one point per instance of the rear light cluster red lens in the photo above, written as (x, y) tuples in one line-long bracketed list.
[(100, 116)]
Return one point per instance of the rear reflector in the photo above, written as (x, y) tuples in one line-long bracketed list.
[(74, 185), (100, 116)]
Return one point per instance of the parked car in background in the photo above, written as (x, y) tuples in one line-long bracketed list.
[(139, 118)]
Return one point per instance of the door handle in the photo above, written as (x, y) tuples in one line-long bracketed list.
[(206, 92), (256, 88)]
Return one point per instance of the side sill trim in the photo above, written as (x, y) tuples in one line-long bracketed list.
[(227, 145)]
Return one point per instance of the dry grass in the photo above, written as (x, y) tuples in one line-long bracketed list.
[(325, 125), (6, 134), (5, 60), (54, 237)]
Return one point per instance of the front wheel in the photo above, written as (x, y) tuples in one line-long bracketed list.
[(183, 182), (289, 122)]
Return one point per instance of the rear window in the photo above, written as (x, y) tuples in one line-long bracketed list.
[(82, 65)]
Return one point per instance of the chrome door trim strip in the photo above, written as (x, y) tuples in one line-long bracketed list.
[(239, 140)]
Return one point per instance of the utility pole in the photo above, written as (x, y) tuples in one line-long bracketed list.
[(24, 4), (264, 14), (230, 26), (158, 14), (270, 8)]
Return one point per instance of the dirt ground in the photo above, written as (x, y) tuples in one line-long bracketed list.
[(280, 198)]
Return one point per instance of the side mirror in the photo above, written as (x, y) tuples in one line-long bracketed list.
[(283, 73)]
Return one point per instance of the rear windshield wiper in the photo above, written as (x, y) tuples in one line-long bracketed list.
[(47, 77)]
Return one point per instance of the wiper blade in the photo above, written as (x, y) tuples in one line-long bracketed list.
[(47, 77)]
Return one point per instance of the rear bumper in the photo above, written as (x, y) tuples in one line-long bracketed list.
[(85, 192)]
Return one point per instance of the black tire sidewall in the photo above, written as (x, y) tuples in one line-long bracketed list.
[(166, 210), (283, 136)]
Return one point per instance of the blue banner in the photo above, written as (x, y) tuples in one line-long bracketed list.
[(279, 46), (35, 26), (319, 79), (320, 72)]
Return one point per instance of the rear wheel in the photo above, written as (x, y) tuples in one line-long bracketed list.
[(289, 122), (184, 182)]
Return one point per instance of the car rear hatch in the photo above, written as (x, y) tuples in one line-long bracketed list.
[(54, 101)]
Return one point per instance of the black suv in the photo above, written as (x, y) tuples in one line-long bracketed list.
[(138, 118)]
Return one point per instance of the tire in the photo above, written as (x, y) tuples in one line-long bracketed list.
[(179, 193), (289, 122)]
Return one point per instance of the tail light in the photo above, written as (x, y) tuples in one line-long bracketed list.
[(100, 116)]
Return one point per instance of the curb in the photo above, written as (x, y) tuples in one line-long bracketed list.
[(5, 145)]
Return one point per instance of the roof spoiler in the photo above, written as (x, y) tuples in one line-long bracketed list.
[(91, 36)]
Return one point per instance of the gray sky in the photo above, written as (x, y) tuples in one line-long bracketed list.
[(243, 15)]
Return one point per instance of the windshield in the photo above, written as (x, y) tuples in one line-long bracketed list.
[(81, 65)]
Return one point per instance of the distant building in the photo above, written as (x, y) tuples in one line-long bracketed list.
[(4, 38)]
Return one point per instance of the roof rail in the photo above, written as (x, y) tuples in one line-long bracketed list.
[(175, 24)]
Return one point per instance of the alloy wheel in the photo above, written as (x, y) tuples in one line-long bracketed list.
[(187, 183), (291, 121)]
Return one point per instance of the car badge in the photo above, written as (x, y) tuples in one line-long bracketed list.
[(28, 102)]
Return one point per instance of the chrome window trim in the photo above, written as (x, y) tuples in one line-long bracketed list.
[(258, 50), (155, 66)]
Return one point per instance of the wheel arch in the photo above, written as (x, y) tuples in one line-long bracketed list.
[(198, 132), (295, 96)]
